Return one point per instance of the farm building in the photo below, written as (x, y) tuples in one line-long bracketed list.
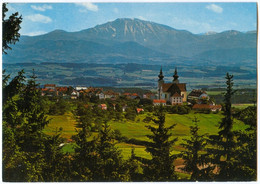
[(159, 102), (210, 107)]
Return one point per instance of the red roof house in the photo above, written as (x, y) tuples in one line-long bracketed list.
[(159, 102), (103, 106), (138, 110)]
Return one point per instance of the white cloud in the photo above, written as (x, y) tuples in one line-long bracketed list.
[(191, 25), (87, 6), (36, 33), (115, 10), (41, 8), (39, 18), (215, 8), (141, 17)]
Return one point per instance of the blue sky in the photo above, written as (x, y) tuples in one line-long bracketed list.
[(40, 18)]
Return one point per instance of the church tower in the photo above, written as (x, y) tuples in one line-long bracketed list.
[(175, 77), (160, 83)]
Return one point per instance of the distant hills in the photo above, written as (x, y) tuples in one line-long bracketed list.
[(136, 41)]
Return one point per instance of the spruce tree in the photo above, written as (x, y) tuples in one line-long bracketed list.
[(224, 144), (160, 167), (195, 161), (247, 141), (24, 121), (55, 168), (11, 27), (30, 134), (110, 165), (12, 118), (134, 168), (85, 157)]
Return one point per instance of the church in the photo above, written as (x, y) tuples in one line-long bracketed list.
[(173, 93)]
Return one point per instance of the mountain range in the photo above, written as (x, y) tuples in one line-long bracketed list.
[(136, 41)]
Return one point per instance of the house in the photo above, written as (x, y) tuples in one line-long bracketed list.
[(138, 110), (110, 94), (210, 107), (174, 92), (100, 95), (79, 88), (159, 102), (62, 91), (74, 95), (176, 99), (128, 95), (151, 96), (48, 92), (103, 106), (114, 105), (50, 86), (195, 94), (93, 91), (134, 96), (124, 108)]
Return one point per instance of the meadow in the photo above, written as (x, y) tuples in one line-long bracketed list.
[(208, 124)]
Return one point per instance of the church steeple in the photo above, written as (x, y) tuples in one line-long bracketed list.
[(161, 75), (175, 76), (160, 84)]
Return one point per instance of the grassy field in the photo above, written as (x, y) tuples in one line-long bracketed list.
[(208, 124), (241, 106), (66, 122)]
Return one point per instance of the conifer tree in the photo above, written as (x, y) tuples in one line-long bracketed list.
[(32, 129), (14, 87), (223, 153), (24, 120), (110, 165), (30, 134), (11, 27), (85, 157), (134, 168), (160, 167), (55, 167), (195, 161), (247, 141), (12, 118)]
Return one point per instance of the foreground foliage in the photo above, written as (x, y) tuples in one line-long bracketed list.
[(29, 154)]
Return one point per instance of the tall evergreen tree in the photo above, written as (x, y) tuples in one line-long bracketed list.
[(110, 165), (247, 141), (85, 157), (11, 27), (30, 134), (223, 153), (25, 153), (160, 167), (195, 161), (55, 168), (15, 86), (12, 118), (134, 168)]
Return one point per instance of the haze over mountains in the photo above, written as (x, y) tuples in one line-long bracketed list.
[(136, 41)]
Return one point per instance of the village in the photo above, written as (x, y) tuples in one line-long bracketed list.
[(168, 94)]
